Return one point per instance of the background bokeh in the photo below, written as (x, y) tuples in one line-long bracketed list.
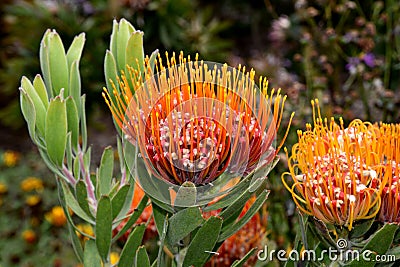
[(346, 53)]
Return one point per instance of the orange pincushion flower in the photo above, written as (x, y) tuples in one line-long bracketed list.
[(194, 121), (339, 180), (390, 207)]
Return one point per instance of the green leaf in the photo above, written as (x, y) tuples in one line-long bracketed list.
[(83, 123), (73, 203), (361, 227), (73, 122), (114, 37), (134, 56), (104, 227), (45, 63), (76, 243), (56, 131), (162, 235), (118, 201), (232, 196), (239, 263), (91, 256), (142, 259), (186, 195), (248, 215), (40, 89), (238, 204), (134, 240), (152, 59), (378, 244), (37, 103), (111, 74), (81, 197), (124, 32), (133, 218), (59, 72), (106, 170), (159, 215), (29, 113), (75, 85), (395, 251), (203, 242), (183, 223), (74, 52)]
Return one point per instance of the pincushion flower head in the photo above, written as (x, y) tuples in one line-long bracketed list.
[(390, 207), (193, 121), (335, 175)]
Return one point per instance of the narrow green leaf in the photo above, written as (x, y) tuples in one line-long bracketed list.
[(142, 258), (134, 240), (128, 199), (76, 169), (68, 151), (239, 263), (29, 113), (104, 227), (56, 131), (377, 245), (159, 215), (38, 104), (118, 200), (248, 215), (163, 235), (134, 56), (114, 37), (75, 85), (230, 197), (74, 52), (360, 228), (83, 123), (124, 32), (134, 217), (183, 223), (203, 242), (111, 74), (91, 256), (238, 204), (73, 203), (59, 72), (76, 243), (40, 88), (106, 170), (152, 59), (73, 122), (81, 197), (45, 63)]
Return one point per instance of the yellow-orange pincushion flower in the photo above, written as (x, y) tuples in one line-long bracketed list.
[(193, 120), (335, 174), (390, 207)]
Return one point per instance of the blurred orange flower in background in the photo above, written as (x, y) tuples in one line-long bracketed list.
[(32, 183), (11, 158), (56, 216), (29, 236)]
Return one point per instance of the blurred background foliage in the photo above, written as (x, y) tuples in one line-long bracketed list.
[(346, 53)]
